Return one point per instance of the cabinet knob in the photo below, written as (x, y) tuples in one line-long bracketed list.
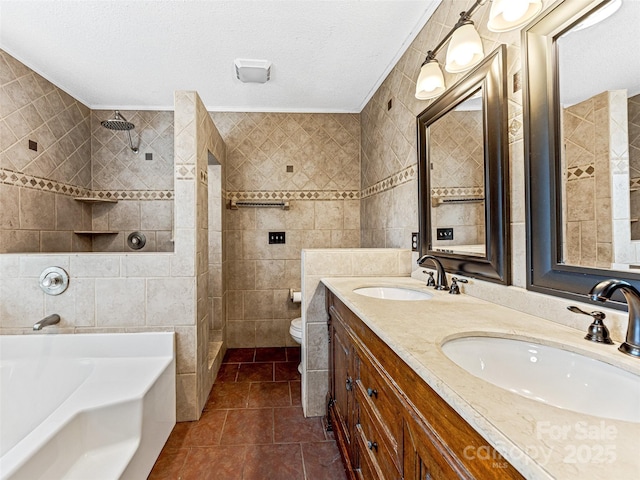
[(372, 391), (349, 385), (372, 445)]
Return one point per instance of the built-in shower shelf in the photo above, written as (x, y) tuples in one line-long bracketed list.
[(95, 200), (633, 220), (95, 232)]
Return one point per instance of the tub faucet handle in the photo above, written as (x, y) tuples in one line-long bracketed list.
[(597, 331)]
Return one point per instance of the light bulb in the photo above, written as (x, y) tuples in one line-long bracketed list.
[(515, 10), (462, 55)]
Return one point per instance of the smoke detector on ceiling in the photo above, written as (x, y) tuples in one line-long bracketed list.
[(252, 71)]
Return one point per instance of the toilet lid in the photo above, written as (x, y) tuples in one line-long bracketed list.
[(296, 324)]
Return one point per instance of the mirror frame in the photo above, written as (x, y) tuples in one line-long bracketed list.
[(491, 76), (542, 142)]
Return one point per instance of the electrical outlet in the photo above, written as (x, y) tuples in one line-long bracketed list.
[(414, 242), (444, 233), (276, 237)]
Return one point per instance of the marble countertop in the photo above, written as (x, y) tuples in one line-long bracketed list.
[(541, 441)]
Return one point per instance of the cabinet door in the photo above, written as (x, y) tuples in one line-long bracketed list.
[(342, 383), (425, 457)]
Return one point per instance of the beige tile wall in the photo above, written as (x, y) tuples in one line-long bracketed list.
[(319, 263), (634, 162), (323, 190), (116, 167), (32, 108), (589, 233), (323, 150)]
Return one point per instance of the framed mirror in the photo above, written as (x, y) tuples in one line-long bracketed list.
[(582, 143), (463, 175)]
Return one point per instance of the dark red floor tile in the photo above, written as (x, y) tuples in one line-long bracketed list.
[(291, 426), (286, 371), (322, 461), (255, 372), (177, 437), (214, 463), (296, 393), (276, 354), (248, 427), (269, 394), (274, 462), (168, 465), (228, 372), (239, 355), (206, 431), (293, 354), (228, 395)]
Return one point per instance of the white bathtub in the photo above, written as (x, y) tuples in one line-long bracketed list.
[(95, 406)]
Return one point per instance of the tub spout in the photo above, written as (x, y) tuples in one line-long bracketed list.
[(603, 292), (46, 321)]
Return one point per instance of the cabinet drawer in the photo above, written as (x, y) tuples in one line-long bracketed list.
[(377, 443), (383, 401), (369, 468)]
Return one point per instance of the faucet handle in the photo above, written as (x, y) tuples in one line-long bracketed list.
[(455, 288), (430, 281), (597, 331)]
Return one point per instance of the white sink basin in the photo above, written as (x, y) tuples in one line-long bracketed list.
[(550, 375), (393, 293)]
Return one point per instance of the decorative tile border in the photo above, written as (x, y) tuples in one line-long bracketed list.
[(294, 195), (457, 192), (388, 183), (133, 194), (9, 177), (634, 182), (23, 180), (185, 172), (576, 173)]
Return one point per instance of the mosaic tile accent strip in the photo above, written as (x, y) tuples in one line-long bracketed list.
[(388, 183), (43, 184), (457, 192), (37, 183), (185, 172), (583, 171), (133, 194), (294, 195)]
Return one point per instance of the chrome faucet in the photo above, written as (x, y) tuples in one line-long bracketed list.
[(441, 279), (46, 321), (603, 292)]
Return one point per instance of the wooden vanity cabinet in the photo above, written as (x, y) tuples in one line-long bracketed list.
[(389, 424)]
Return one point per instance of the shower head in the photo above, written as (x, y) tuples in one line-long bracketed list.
[(118, 122)]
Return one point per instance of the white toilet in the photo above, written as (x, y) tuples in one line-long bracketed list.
[(295, 330)]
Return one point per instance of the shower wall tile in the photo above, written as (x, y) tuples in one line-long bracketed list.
[(35, 109), (116, 167)]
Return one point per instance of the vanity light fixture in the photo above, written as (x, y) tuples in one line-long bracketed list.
[(506, 15), (465, 49), (430, 81)]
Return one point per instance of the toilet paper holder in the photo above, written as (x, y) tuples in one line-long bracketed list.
[(295, 296)]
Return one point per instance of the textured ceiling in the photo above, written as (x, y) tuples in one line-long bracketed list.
[(327, 55)]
